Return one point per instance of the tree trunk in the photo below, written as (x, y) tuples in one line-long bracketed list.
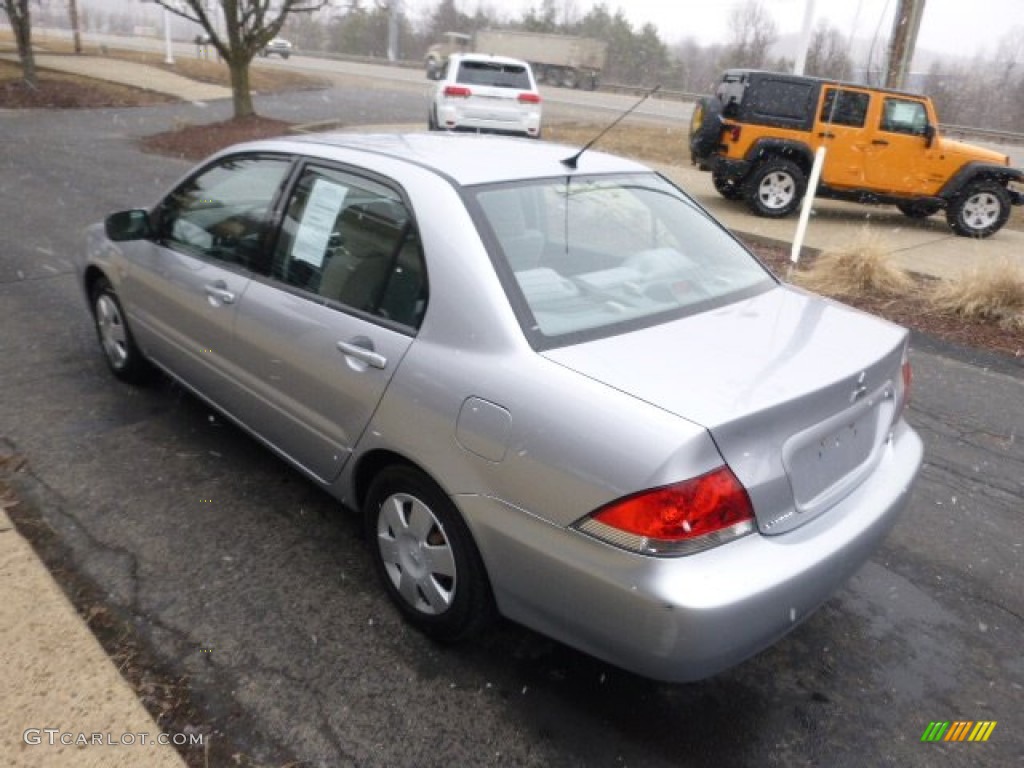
[(21, 25), (241, 96)]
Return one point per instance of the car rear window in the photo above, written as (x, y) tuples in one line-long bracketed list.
[(584, 257), (495, 74)]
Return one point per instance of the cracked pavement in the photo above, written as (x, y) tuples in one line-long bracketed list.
[(243, 577)]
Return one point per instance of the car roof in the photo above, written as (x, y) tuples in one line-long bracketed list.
[(467, 159), (489, 57)]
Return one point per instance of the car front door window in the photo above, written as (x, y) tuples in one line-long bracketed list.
[(221, 213)]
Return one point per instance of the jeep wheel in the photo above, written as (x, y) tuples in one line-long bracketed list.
[(980, 210), (727, 186), (705, 126), (775, 188), (917, 209)]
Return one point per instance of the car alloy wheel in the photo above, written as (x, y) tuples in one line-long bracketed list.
[(425, 555), (775, 188), (980, 210)]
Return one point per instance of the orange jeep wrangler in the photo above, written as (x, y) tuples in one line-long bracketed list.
[(758, 135)]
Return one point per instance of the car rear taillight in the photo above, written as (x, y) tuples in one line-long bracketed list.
[(457, 92), (529, 98), (677, 519), (733, 132)]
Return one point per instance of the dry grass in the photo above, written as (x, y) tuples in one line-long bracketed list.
[(993, 292), (643, 140), (863, 268)]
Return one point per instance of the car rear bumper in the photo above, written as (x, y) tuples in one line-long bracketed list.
[(685, 618), (452, 119)]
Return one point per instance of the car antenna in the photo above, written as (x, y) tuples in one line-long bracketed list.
[(570, 162)]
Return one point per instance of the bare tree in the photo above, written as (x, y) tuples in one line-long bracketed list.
[(752, 33), (827, 54), (21, 23), (248, 25)]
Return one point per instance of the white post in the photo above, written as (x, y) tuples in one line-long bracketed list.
[(169, 56), (805, 210)]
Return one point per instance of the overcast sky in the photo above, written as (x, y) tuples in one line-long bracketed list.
[(962, 27)]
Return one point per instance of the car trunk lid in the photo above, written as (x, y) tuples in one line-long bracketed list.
[(799, 393)]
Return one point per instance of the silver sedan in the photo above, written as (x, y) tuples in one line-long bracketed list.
[(554, 386)]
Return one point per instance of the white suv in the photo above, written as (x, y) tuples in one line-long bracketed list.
[(493, 94)]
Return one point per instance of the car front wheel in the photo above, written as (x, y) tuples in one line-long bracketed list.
[(980, 210), (123, 357), (425, 555), (775, 188)]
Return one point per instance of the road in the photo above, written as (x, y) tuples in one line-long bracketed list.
[(239, 574)]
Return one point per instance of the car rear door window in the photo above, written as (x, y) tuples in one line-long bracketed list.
[(352, 241), (222, 212), (850, 108)]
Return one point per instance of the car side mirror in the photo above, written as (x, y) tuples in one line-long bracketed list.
[(929, 135), (128, 225)]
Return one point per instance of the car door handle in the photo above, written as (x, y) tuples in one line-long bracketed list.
[(219, 290), (362, 349), (826, 135), (880, 142)]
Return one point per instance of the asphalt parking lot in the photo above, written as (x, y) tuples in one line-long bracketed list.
[(243, 577)]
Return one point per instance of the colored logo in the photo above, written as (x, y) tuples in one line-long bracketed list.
[(959, 730)]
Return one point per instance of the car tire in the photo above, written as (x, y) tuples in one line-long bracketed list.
[(705, 126), (917, 209), (285, 56), (727, 186), (425, 555), (123, 356), (775, 188), (432, 119), (980, 210), (570, 78)]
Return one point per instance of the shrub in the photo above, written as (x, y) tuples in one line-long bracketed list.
[(992, 292), (864, 268)]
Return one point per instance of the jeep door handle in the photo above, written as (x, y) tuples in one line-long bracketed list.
[(362, 350), (880, 142), (826, 135), (218, 290)]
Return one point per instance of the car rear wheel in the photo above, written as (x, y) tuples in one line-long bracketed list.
[(980, 210), (918, 210), (425, 555), (432, 119), (775, 188), (123, 357)]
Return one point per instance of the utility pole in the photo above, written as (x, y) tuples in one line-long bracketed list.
[(73, 10), (393, 16), (903, 42), (805, 38)]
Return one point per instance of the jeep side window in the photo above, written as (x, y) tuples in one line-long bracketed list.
[(904, 116), (851, 108)]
